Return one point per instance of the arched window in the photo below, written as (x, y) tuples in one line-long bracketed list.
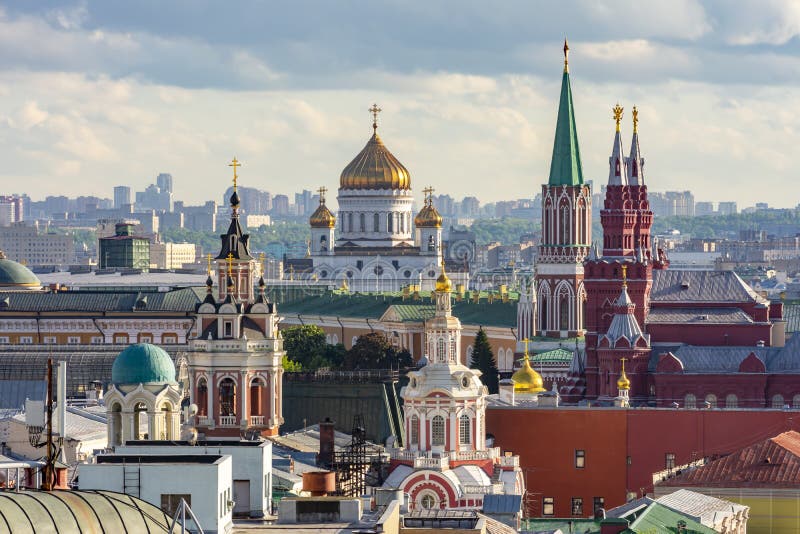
[(334, 339), (414, 429), (470, 349), (453, 356), (796, 402), (711, 400), (227, 397), (690, 401), (390, 222), (437, 430), (464, 430), (564, 224), (777, 401), (166, 432), (116, 424), (363, 222), (563, 308), (441, 355), (353, 341), (731, 401), (202, 397), (349, 222), (376, 223)]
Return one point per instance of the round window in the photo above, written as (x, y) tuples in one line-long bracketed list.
[(407, 274), (431, 273), (378, 270), (323, 274), (349, 274), (413, 382), (465, 382)]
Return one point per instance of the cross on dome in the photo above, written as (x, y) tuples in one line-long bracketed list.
[(375, 110), (230, 263), (428, 195), (322, 190), (235, 163)]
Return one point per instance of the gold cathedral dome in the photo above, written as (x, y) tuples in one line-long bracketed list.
[(428, 216), (322, 216), (375, 167), (526, 379)]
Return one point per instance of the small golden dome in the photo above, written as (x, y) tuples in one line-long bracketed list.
[(443, 283), (375, 168), (526, 379), (623, 382), (428, 217), (322, 217)]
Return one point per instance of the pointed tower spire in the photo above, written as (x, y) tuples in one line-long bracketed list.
[(635, 162), (616, 163), (565, 166)]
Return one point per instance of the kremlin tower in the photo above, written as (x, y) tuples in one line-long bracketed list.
[(566, 228)]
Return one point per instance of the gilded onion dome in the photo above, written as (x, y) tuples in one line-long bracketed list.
[(375, 167), (443, 283), (428, 216), (623, 382), (526, 379), (322, 217)]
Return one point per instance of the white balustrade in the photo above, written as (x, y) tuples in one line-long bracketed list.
[(227, 420), (257, 420)]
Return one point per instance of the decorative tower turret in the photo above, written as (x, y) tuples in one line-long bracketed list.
[(623, 388), (323, 225), (234, 261), (428, 224), (566, 227), (618, 216)]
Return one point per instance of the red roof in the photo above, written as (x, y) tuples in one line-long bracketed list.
[(774, 462)]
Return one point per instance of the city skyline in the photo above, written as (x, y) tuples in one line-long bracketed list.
[(109, 95)]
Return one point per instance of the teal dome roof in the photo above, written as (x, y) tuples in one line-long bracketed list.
[(143, 363), (13, 274)]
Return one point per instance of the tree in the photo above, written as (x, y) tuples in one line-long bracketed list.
[(335, 355), (483, 360), (290, 366), (306, 345), (371, 351)]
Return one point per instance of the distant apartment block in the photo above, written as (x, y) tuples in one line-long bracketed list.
[(26, 245), (12, 209), (172, 255), (124, 250), (672, 204), (199, 218), (122, 196), (255, 221), (727, 208)]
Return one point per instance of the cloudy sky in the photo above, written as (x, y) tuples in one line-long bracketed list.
[(100, 93)]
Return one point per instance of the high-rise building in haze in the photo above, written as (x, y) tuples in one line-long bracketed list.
[(122, 196), (164, 182)]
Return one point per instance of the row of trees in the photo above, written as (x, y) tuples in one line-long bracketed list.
[(307, 350)]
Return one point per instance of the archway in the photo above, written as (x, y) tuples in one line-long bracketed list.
[(227, 401)]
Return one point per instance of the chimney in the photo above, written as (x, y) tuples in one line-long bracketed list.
[(326, 443)]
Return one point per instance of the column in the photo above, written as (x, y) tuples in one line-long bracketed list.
[(423, 430), (210, 399), (243, 383), (453, 440)]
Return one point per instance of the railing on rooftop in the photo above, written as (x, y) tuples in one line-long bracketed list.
[(347, 377), (227, 420), (490, 489), (432, 463)]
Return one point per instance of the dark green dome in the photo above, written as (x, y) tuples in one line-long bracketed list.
[(143, 363), (13, 274)]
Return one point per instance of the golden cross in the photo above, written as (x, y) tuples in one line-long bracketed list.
[(322, 190), (526, 341), (617, 114), (375, 110), (208, 260), (623, 360), (428, 195), (625, 276), (262, 259), (635, 120), (230, 263), (566, 55), (234, 164)]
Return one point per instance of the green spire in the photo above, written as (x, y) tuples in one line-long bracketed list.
[(565, 167)]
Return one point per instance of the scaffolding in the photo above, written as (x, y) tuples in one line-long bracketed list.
[(358, 465)]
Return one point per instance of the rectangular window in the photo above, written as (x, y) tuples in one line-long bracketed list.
[(580, 458), (463, 430), (669, 460), (577, 506), (548, 506), (437, 430), (4, 340), (49, 340), (228, 329), (25, 340), (599, 502), (97, 340), (145, 338), (169, 340), (120, 339), (171, 501), (73, 340)]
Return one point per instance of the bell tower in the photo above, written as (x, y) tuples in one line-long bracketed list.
[(566, 227), (234, 262)]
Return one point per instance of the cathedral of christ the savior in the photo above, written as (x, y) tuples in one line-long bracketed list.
[(381, 245)]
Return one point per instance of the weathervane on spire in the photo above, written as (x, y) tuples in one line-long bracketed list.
[(635, 120), (617, 114), (375, 110), (566, 55), (234, 164), (322, 190)]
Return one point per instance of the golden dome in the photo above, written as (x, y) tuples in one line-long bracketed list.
[(375, 168), (526, 380), (428, 217), (443, 283), (623, 382), (322, 217)]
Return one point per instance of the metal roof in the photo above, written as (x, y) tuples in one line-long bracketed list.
[(14, 392), (658, 518), (677, 285), (502, 504), (78, 511), (698, 316)]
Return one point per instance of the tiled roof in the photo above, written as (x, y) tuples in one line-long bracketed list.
[(698, 315), (676, 285), (177, 300), (658, 518), (774, 462)]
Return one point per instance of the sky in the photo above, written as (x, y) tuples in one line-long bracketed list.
[(95, 94)]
